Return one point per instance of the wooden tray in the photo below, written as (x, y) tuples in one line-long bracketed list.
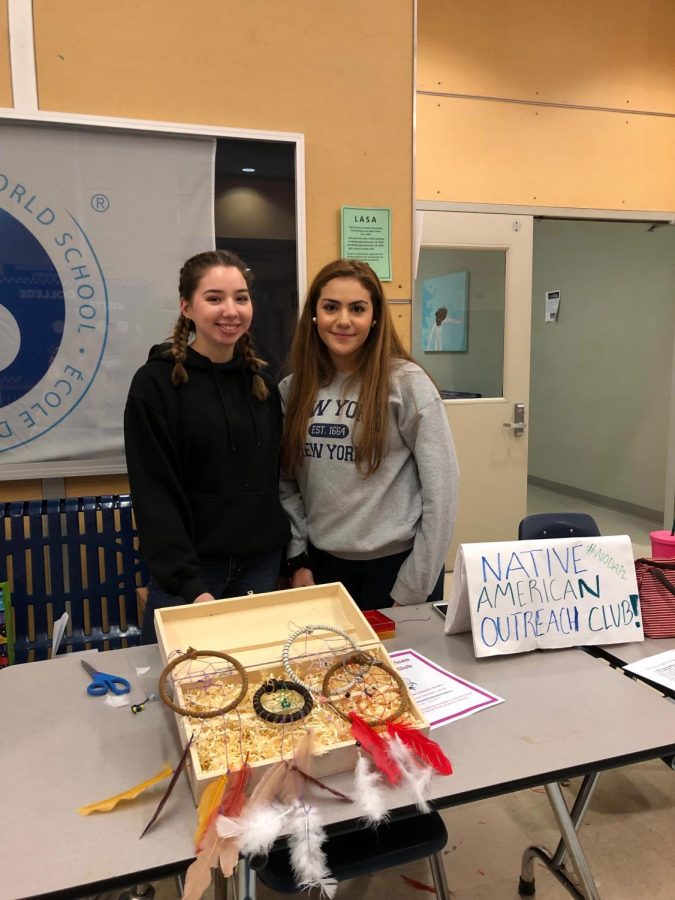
[(253, 629)]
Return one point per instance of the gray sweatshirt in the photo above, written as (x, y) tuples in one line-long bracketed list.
[(409, 502)]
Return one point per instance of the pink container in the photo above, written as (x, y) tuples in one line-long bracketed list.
[(663, 545)]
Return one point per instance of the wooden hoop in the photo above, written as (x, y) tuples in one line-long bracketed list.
[(196, 654), (364, 659)]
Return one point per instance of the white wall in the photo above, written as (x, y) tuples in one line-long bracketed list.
[(601, 375)]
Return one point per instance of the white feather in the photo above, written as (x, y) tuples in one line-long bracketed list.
[(262, 825), (228, 827), (368, 787), (416, 775), (256, 830), (308, 860)]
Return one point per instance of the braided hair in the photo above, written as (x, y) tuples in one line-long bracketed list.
[(190, 275)]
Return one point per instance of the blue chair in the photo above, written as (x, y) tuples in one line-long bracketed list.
[(557, 525), (77, 555), (367, 850)]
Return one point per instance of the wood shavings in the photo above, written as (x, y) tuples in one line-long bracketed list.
[(227, 741), (238, 735)]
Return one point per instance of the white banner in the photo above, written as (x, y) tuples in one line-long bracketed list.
[(523, 595), (94, 226)]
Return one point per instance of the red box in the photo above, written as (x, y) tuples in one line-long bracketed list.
[(382, 625)]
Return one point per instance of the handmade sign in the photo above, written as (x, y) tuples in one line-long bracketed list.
[(523, 595)]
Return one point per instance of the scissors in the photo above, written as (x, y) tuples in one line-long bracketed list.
[(102, 682)]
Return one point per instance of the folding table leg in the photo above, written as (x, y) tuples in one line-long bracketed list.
[(246, 880), (438, 875), (138, 892), (220, 885), (239, 886), (569, 824)]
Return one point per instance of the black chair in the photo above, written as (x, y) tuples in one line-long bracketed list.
[(367, 850), (557, 525)]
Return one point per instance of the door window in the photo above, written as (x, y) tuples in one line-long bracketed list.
[(458, 320)]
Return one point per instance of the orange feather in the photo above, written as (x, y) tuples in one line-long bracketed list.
[(208, 806)]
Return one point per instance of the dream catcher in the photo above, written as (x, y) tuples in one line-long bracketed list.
[(235, 718), (366, 692), (326, 691), (213, 692)]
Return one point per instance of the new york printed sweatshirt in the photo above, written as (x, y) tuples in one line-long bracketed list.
[(409, 502)]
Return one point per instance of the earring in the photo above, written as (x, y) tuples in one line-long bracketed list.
[(373, 323), (314, 319)]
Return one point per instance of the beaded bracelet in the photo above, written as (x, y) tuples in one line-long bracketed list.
[(274, 685)]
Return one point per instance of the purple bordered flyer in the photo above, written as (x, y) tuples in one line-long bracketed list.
[(442, 696)]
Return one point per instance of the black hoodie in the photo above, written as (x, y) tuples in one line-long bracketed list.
[(203, 464)]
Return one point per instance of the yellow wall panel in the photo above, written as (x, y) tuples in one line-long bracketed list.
[(610, 53), (401, 314), (96, 485), (490, 152), (5, 71), (20, 490), (74, 487), (341, 72)]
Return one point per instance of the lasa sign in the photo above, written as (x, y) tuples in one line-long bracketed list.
[(524, 595)]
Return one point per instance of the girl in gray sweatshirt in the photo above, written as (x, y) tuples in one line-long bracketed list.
[(370, 475)]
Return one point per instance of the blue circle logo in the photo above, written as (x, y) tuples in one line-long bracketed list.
[(53, 314)]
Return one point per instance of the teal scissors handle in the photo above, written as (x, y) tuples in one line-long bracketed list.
[(103, 683)]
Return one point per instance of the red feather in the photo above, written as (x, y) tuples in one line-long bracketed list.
[(235, 792), (230, 804), (422, 746), (376, 746)]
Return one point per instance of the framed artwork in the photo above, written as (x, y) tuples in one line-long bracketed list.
[(445, 302)]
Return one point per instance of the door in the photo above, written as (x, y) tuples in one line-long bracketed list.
[(471, 332)]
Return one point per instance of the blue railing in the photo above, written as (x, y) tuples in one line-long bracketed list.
[(77, 555)]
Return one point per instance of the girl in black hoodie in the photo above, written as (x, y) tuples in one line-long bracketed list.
[(202, 431)]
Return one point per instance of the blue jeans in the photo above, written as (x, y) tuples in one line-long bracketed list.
[(233, 577)]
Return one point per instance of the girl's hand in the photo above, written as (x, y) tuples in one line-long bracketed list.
[(203, 598), (302, 578)]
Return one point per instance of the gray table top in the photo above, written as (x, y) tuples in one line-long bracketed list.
[(61, 749), (565, 714), (624, 654)]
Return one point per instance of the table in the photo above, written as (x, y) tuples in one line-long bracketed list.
[(620, 655), (62, 749), (624, 654), (564, 716)]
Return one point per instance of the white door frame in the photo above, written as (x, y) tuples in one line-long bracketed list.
[(568, 212)]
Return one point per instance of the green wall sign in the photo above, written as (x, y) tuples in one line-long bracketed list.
[(366, 235)]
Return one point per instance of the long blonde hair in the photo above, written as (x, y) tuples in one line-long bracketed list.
[(190, 274), (312, 369)]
